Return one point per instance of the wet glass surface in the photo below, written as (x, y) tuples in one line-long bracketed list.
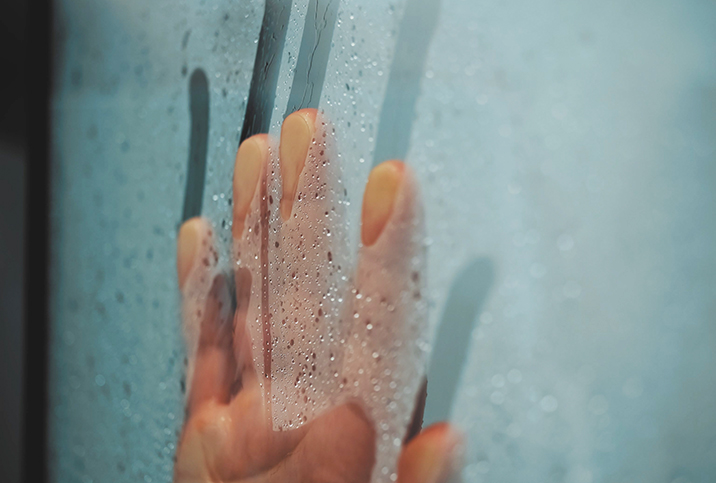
[(565, 156)]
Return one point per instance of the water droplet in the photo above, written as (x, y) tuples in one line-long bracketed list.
[(514, 376), (498, 380), (482, 467), (514, 430), (632, 388), (537, 270), (549, 404), (497, 398), (565, 242)]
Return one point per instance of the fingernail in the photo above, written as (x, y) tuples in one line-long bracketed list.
[(296, 136), (379, 198), (250, 159), (187, 245), (438, 460)]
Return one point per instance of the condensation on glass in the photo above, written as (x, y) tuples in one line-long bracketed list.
[(566, 156), (142, 91)]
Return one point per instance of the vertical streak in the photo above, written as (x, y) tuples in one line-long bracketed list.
[(313, 55), (468, 294), (198, 144), (411, 50), (265, 314), (266, 68)]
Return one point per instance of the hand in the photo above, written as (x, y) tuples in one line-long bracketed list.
[(229, 433)]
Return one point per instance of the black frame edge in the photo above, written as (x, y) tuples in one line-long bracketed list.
[(37, 243)]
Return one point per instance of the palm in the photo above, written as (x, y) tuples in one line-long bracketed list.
[(233, 443)]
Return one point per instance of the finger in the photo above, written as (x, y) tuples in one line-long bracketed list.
[(297, 135), (386, 350), (434, 456), (191, 235), (249, 186), (248, 168), (215, 367), (307, 272), (379, 198), (206, 315)]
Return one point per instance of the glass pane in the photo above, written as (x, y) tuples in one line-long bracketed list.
[(564, 154)]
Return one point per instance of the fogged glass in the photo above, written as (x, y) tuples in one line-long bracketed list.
[(565, 154)]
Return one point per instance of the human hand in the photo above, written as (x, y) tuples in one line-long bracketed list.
[(229, 434)]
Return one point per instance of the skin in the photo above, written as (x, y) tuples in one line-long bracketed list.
[(226, 437)]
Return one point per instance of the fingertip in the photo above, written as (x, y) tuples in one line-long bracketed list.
[(297, 133), (309, 114), (188, 241), (443, 432), (379, 198), (250, 159), (433, 456)]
